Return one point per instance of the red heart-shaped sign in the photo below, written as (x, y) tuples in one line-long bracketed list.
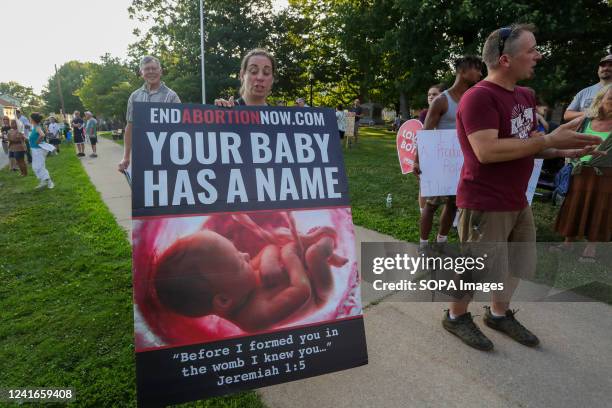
[(406, 141)]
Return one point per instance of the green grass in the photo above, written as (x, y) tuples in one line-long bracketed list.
[(66, 293), (109, 135)]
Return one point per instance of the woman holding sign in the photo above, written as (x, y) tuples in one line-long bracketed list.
[(257, 72)]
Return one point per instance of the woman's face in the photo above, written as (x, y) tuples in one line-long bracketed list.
[(258, 77), (432, 94)]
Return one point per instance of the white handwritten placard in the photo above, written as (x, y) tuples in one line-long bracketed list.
[(440, 161)]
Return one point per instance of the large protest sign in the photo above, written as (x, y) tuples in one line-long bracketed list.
[(244, 262), (406, 142), (441, 159)]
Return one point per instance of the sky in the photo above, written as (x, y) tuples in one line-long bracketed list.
[(60, 31)]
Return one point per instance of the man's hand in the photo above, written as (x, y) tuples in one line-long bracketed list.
[(566, 137), (123, 165), (571, 115), (535, 133)]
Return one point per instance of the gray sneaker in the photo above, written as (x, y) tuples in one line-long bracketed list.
[(510, 326), (50, 184), (469, 333)]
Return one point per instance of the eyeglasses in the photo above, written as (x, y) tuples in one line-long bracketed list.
[(504, 34)]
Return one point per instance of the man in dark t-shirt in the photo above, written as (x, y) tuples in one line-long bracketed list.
[(357, 111), (496, 125), (78, 133)]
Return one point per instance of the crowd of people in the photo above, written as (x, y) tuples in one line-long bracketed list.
[(22, 139), (500, 126), (501, 129)]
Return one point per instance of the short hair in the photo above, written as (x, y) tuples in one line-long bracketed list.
[(340, 107), (594, 111), (253, 53), (439, 86), (36, 117), (88, 113), (490, 50), (147, 59), (467, 62)]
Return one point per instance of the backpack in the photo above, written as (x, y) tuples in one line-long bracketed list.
[(562, 183)]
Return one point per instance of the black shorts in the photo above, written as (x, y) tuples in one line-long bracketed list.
[(93, 140), (55, 141), (78, 138), (17, 155)]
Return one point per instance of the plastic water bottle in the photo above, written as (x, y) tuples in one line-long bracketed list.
[(389, 200)]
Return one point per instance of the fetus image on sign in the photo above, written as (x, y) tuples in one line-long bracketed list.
[(242, 273)]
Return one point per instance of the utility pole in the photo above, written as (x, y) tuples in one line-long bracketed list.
[(311, 79), (202, 50), (59, 90)]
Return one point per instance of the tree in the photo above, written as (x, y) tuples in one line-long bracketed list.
[(30, 102), (71, 75), (107, 87), (572, 35), (232, 28), (336, 45)]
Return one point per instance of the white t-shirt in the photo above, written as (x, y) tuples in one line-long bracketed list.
[(341, 118), (54, 129)]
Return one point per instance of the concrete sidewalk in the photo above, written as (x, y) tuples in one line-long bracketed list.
[(415, 363), (111, 184)]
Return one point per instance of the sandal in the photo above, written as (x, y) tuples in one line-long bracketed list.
[(587, 259), (561, 248)]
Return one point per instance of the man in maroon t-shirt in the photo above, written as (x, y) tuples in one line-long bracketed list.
[(496, 128)]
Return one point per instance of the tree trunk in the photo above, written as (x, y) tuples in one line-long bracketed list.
[(404, 108)]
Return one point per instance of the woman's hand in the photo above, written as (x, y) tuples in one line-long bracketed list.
[(227, 103), (578, 153)]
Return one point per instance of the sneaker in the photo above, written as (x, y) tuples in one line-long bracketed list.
[(93, 155), (510, 326), (50, 184), (469, 333), (41, 185)]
